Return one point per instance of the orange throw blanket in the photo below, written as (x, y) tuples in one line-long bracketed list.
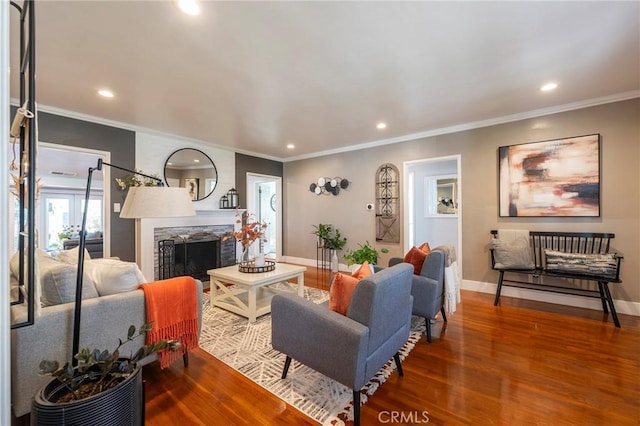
[(172, 306)]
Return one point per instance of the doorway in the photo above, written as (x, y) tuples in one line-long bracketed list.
[(264, 200), (62, 173), (433, 203)]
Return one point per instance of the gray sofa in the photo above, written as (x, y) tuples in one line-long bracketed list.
[(105, 319), (353, 348)]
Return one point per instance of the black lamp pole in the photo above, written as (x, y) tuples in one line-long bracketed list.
[(81, 246)]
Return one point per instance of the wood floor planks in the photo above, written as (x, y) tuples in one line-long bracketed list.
[(520, 363)]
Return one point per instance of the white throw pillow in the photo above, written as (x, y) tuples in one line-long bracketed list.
[(71, 256), (113, 276), (58, 282)]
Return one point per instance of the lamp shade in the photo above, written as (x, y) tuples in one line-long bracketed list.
[(157, 201)]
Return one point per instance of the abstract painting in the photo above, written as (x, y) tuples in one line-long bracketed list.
[(559, 177)]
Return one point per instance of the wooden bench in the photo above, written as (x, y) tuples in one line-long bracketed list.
[(579, 243)]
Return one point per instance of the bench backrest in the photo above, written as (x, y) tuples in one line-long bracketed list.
[(568, 242)]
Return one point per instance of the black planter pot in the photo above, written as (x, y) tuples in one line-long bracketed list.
[(121, 405)]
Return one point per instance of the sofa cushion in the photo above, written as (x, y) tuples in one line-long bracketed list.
[(341, 291), (113, 276), (416, 257), (71, 256), (363, 271), (58, 282), (514, 254)]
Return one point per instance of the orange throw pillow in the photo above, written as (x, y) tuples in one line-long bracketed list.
[(363, 271), (425, 247), (341, 291), (416, 257)]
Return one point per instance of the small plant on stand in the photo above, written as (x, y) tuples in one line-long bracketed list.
[(322, 231), (335, 242)]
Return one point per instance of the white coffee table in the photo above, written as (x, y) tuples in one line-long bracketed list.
[(250, 296)]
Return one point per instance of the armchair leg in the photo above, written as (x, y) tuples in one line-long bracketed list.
[(444, 316), (287, 363), (185, 359), (396, 357), (356, 408), (428, 326)]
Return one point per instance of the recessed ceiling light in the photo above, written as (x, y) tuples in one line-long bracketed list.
[(106, 93), (290, 146), (548, 87), (381, 125), (195, 160), (190, 7)]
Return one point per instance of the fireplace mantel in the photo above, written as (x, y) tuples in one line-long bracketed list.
[(145, 250)]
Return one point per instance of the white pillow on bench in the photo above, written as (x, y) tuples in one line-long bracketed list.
[(514, 254)]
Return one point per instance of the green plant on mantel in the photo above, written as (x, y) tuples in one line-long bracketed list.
[(98, 371), (137, 180), (364, 252)]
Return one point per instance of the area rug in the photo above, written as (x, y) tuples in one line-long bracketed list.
[(247, 348)]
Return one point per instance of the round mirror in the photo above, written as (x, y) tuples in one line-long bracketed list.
[(192, 169)]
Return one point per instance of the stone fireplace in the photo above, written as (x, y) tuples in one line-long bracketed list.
[(206, 225)]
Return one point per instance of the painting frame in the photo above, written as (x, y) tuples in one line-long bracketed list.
[(551, 178), (192, 185)]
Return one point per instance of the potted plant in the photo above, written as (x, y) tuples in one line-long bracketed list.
[(334, 242), (322, 231), (364, 252), (103, 386)]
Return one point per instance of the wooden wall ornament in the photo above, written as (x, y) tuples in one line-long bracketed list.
[(387, 204)]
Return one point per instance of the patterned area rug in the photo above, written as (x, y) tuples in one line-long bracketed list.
[(247, 348)]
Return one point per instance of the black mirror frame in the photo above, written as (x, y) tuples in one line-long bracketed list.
[(164, 169)]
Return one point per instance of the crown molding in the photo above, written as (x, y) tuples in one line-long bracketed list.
[(476, 124), (363, 145)]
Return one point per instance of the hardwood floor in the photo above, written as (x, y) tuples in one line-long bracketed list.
[(520, 363)]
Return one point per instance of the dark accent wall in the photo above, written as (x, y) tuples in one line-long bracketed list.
[(120, 143), (249, 164)]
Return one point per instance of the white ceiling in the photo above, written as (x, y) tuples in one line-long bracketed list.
[(255, 76)]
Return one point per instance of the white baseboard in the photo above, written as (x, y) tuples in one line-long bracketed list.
[(622, 306)]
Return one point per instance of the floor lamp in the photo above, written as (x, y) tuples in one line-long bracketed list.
[(141, 201)]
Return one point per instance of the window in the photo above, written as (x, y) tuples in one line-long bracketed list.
[(61, 213)]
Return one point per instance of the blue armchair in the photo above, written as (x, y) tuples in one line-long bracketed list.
[(427, 288), (353, 348)]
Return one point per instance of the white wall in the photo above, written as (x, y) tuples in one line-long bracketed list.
[(152, 152)]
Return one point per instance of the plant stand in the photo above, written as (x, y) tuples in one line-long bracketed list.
[(323, 263)]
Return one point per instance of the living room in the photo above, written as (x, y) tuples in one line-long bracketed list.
[(613, 116)]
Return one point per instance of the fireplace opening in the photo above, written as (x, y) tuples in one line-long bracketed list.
[(193, 258)]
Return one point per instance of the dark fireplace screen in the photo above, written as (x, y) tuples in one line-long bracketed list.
[(193, 258)]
